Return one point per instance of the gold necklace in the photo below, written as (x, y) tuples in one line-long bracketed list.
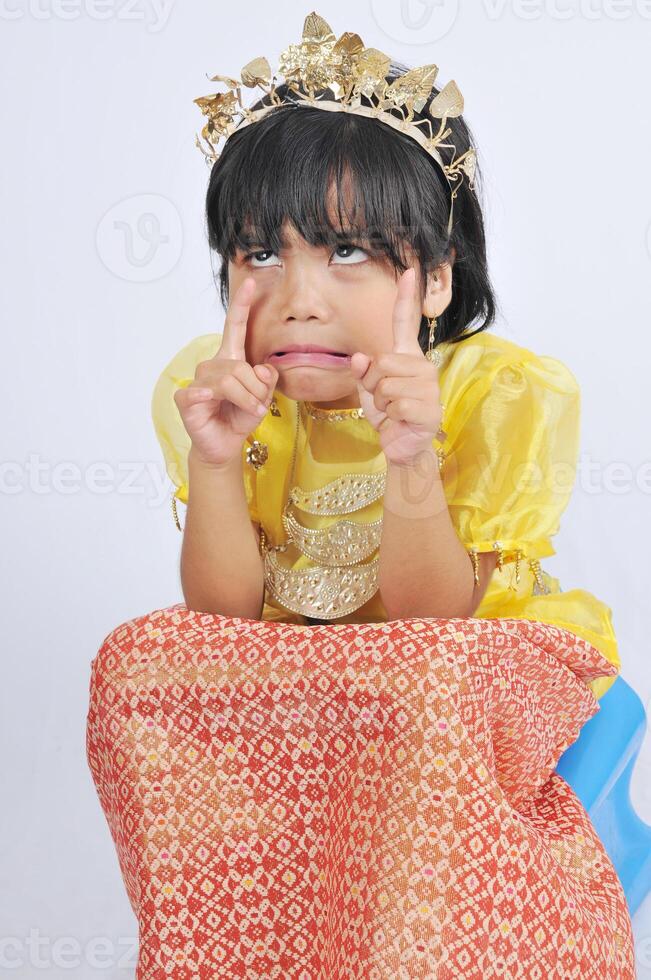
[(333, 414)]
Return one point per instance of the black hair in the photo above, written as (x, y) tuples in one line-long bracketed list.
[(283, 166)]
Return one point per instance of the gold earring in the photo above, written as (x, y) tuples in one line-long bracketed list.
[(432, 355), (273, 408)]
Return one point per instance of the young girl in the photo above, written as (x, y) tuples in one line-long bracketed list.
[(337, 757), (333, 233)]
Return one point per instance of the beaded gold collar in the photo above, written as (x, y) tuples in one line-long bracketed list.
[(333, 414)]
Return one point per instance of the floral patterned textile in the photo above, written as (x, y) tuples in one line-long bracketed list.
[(370, 800)]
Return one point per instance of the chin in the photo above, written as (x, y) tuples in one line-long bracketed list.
[(313, 389)]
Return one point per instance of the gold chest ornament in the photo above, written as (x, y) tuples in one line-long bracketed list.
[(336, 584)]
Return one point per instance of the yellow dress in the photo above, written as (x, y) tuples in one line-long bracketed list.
[(508, 466)]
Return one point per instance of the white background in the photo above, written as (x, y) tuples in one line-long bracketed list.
[(106, 274)]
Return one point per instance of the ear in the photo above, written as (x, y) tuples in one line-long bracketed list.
[(439, 288)]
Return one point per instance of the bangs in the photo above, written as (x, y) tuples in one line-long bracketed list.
[(336, 178), (341, 178)]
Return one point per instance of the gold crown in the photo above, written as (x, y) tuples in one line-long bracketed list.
[(350, 71)]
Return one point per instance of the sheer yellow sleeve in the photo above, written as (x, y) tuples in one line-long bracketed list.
[(512, 420), (513, 462), (174, 440)]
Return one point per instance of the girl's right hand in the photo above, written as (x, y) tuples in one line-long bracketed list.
[(228, 397)]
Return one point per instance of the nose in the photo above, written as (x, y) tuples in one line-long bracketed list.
[(301, 291)]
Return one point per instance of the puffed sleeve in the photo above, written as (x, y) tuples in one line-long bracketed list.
[(513, 459), (172, 435)]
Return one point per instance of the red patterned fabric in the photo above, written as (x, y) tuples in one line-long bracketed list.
[(353, 800)]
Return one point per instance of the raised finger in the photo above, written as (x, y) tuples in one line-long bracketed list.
[(406, 315), (236, 322)]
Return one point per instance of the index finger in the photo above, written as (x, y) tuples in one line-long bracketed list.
[(406, 326), (236, 322)]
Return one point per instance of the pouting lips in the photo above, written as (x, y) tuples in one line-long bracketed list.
[(333, 353)]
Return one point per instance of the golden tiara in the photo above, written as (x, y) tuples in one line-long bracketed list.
[(349, 70)]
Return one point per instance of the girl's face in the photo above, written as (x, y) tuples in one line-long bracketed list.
[(341, 298)]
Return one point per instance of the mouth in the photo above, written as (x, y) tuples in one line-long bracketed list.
[(309, 355)]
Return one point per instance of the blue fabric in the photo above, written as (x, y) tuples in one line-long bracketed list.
[(598, 767)]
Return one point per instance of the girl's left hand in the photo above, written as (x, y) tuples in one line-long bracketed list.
[(399, 391)]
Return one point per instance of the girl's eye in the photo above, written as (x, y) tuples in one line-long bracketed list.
[(344, 246), (254, 255), (354, 248)]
